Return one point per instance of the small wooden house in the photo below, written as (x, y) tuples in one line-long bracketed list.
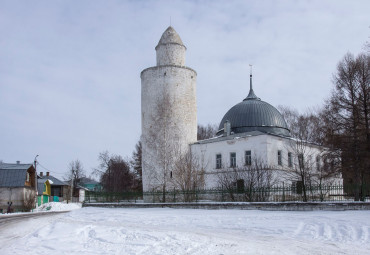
[(17, 186)]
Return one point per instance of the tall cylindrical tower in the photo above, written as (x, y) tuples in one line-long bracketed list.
[(168, 111)]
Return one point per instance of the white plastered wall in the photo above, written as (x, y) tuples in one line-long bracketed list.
[(263, 147)]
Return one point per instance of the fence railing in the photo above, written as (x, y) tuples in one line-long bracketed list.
[(318, 193)]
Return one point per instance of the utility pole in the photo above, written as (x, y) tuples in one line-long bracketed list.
[(35, 162), (72, 180)]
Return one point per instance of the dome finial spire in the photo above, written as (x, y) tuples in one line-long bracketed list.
[(251, 94), (250, 78)]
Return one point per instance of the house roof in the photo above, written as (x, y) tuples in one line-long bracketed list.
[(13, 175), (56, 181), (53, 182)]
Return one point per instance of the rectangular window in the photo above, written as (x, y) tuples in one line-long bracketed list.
[(301, 161), (290, 162), (218, 161), (28, 177), (232, 159), (248, 158), (280, 163)]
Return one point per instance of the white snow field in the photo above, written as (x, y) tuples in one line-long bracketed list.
[(58, 206), (189, 231)]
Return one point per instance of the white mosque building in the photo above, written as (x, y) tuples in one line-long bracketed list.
[(250, 131)]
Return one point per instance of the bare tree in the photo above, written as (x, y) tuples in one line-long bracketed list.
[(103, 158), (206, 131), (306, 152), (248, 182), (188, 175), (74, 174), (28, 200)]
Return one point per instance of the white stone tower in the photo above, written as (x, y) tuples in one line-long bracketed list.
[(168, 111)]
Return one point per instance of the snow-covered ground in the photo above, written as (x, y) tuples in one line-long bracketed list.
[(189, 231), (57, 206), (47, 207)]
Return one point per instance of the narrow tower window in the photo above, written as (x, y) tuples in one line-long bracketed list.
[(280, 163), (301, 161), (290, 163), (318, 163)]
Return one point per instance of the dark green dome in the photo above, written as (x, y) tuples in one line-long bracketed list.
[(253, 114)]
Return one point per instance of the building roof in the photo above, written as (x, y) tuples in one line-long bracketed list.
[(56, 181), (52, 180), (13, 175), (253, 114), (170, 36), (230, 137)]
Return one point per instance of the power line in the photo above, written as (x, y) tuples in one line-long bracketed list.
[(38, 163)]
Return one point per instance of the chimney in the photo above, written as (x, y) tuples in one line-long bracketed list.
[(41, 174), (227, 128), (18, 162), (47, 173)]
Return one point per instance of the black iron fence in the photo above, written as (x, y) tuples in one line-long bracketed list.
[(318, 193)]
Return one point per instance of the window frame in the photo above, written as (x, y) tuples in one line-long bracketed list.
[(232, 159), (218, 161), (248, 158)]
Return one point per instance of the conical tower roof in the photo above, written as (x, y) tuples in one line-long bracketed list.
[(170, 36)]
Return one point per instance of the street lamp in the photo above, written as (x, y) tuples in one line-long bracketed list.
[(35, 162)]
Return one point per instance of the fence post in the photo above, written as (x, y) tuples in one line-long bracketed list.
[(283, 192), (363, 196)]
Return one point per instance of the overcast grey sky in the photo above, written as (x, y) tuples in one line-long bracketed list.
[(70, 70)]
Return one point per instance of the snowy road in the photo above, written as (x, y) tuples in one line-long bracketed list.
[(189, 231)]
